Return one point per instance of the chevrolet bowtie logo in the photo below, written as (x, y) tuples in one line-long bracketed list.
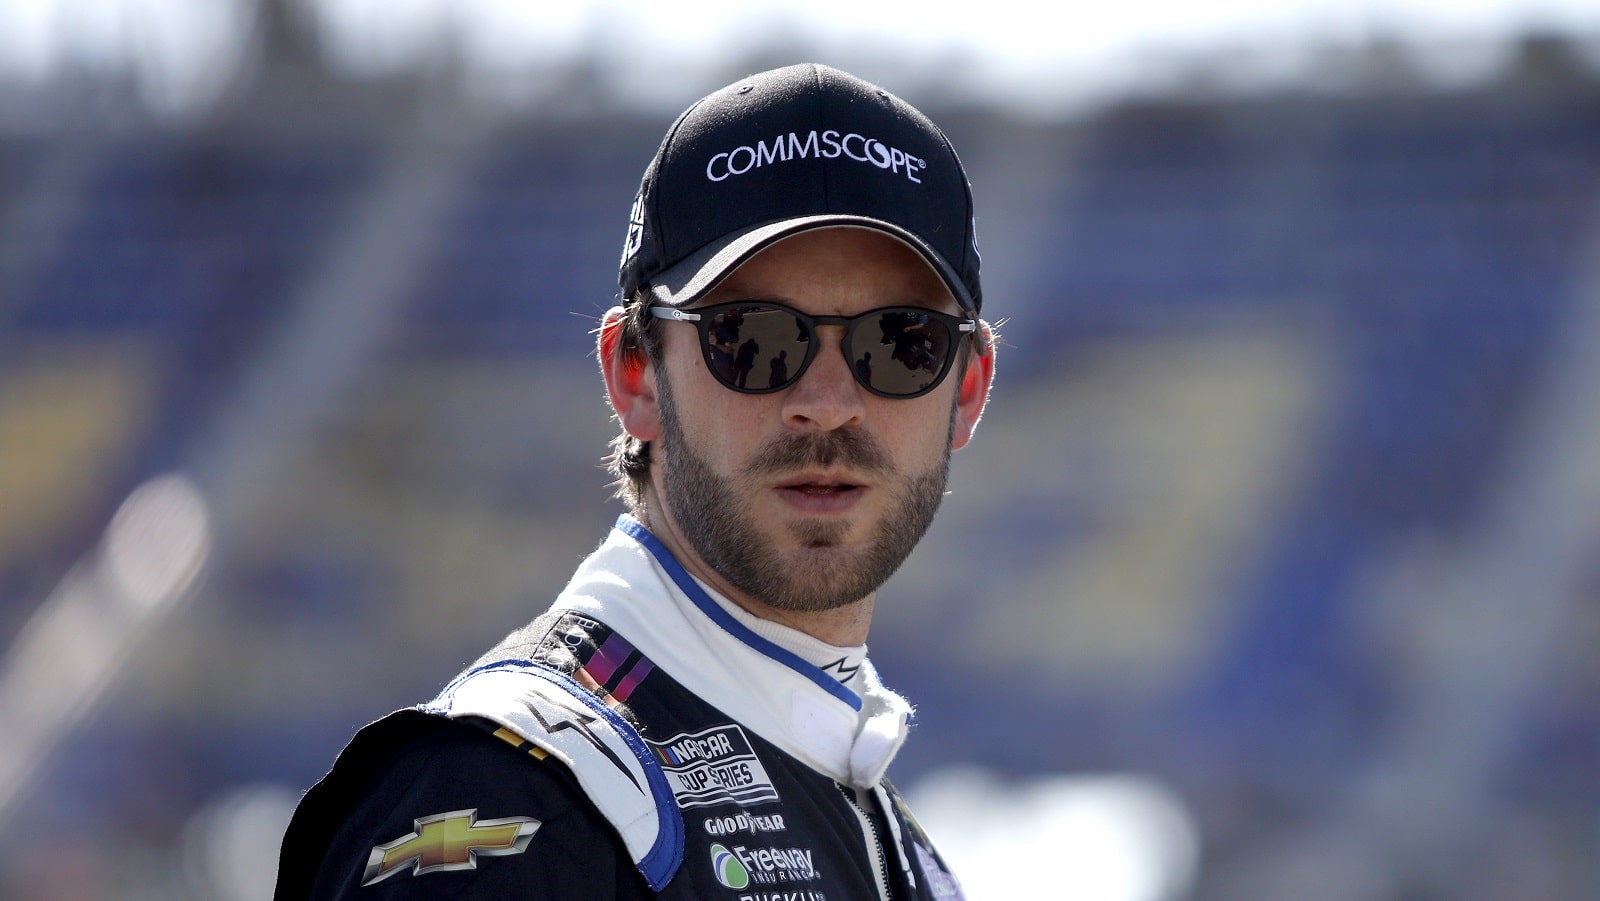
[(449, 841)]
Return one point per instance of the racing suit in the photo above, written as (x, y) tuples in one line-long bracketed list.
[(641, 739)]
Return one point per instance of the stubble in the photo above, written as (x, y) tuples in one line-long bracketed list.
[(714, 514)]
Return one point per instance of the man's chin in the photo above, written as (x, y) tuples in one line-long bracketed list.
[(820, 534), (832, 576)]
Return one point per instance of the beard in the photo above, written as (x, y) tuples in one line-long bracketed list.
[(713, 512)]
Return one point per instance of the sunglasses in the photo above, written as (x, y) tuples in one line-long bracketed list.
[(756, 347)]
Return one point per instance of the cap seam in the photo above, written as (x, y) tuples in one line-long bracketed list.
[(817, 122)]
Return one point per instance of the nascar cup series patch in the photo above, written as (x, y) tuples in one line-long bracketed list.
[(714, 766)]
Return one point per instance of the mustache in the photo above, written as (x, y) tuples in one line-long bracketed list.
[(856, 449)]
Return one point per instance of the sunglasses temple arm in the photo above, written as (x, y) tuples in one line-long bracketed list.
[(674, 313)]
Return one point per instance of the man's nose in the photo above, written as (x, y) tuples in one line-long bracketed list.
[(827, 396)]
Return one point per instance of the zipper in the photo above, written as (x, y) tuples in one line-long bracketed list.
[(869, 831)]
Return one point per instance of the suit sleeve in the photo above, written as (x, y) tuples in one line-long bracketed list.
[(422, 807)]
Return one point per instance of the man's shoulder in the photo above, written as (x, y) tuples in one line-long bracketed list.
[(547, 713), (424, 806), (511, 733), (528, 722), (412, 752)]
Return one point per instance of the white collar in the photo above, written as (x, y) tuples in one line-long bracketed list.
[(633, 584)]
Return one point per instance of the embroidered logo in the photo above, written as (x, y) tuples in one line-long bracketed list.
[(828, 144), (744, 822), (559, 714), (741, 866), (730, 872), (635, 239), (449, 841), (715, 766), (843, 673)]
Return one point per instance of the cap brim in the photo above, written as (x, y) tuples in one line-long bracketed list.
[(701, 271)]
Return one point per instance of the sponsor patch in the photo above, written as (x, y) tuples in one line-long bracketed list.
[(449, 841), (730, 871), (716, 766), (744, 822), (741, 866), (597, 658)]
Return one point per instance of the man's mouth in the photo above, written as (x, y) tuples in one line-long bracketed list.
[(819, 489), (822, 494), (821, 481)]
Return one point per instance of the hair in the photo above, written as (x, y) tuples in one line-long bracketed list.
[(629, 460)]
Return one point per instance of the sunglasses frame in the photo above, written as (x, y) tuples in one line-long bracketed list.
[(702, 317)]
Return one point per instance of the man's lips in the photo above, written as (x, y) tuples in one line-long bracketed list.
[(821, 482), (820, 489), (821, 493)]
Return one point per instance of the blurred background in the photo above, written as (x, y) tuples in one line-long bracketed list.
[(1274, 570)]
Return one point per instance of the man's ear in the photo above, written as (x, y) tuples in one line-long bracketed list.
[(630, 379), (973, 392)]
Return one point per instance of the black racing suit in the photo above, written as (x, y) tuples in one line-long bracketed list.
[(639, 740)]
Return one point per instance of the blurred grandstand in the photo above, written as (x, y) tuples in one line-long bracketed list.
[(1288, 500)]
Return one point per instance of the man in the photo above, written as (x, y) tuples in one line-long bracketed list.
[(695, 716)]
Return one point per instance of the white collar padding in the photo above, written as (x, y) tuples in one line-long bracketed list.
[(633, 585)]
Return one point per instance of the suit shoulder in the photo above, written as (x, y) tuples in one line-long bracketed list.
[(420, 806), (556, 716)]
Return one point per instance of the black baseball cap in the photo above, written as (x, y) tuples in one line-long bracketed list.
[(789, 150)]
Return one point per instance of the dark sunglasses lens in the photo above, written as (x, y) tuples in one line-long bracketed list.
[(900, 353), (756, 348)]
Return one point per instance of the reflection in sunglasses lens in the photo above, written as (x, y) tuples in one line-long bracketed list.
[(757, 348), (901, 353)]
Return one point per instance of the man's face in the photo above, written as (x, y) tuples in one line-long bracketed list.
[(809, 498)]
